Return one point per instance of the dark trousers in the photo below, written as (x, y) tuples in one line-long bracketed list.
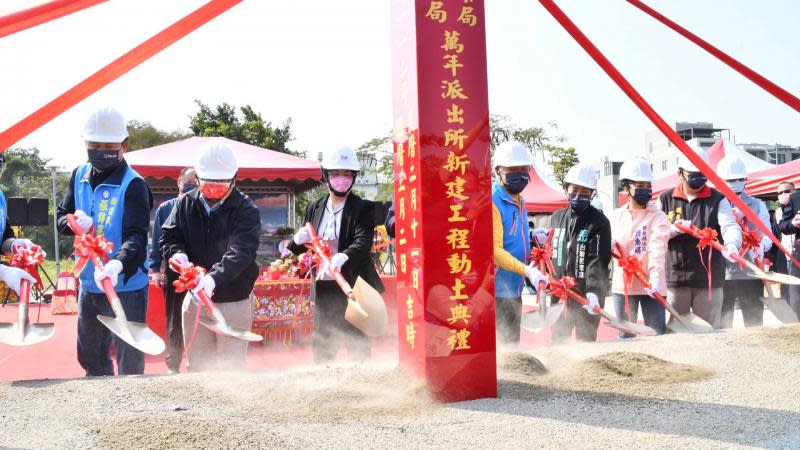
[(794, 291), (507, 318), (576, 318), (748, 292), (94, 339), (330, 326), (653, 313), (173, 303)]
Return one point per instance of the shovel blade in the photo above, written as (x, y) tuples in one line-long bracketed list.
[(780, 309), (376, 321), (535, 321), (688, 323), (775, 277), (227, 330), (630, 327), (135, 334), (29, 334)]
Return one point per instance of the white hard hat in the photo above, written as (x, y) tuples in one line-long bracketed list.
[(687, 165), (105, 125), (511, 154), (731, 167), (216, 162), (343, 158), (582, 175), (636, 169)]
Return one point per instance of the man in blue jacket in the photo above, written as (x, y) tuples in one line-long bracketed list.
[(512, 165), (107, 194)]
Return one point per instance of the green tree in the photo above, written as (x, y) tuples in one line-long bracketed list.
[(562, 160), (250, 128), (26, 175), (145, 135), (381, 149)]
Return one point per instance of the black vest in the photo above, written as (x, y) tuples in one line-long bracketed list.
[(686, 267)]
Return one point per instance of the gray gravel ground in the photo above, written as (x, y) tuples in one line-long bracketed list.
[(751, 400)]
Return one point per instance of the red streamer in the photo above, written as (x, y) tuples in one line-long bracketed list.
[(114, 70), (29, 259), (31, 17), (777, 91), (654, 117)]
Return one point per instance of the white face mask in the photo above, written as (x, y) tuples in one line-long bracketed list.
[(736, 186)]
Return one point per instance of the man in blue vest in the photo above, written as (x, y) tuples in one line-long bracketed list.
[(111, 197), (512, 165)]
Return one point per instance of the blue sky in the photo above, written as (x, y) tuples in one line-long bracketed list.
[(327, 65)]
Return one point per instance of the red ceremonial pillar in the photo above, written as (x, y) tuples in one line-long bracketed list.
[(443, 231)]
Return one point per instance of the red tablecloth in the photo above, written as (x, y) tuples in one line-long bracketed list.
[(282, 310)]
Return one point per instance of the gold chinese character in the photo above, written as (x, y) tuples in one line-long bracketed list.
[(403, 263), (454, 137), (452, 64), (411, 333), (410, 307), (453, 90), (412, 147), (456, 217), (401, 214), (414, 198), (467, 17), (451, 42), (415, 279), (457, 288), (459, 312), (454, 114), (458, 238), (436, 12), (114, 201), (458, 339), (100, 229), (455, 189), (103, 205), (401, 149), (459, 263), (456, 162), (414, 225), (101, 217)]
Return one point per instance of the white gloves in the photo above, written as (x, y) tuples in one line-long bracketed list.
[(206, 284), (111, 270), (338, 260), (302, 236), (84, 222), (540, 234), (533, 274), (757, 253), (594, 303), (796, 221), (13, 276), (730, 250), (181, 259), (683, 222), (655, 286)]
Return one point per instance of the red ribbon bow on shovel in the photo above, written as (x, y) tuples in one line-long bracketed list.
[(88, 246), (562, 289), (29, 259), (189, 276)]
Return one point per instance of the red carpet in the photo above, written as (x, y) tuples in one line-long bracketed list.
[(56, 358)]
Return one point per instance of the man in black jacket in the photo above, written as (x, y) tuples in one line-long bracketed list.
[(216, 227), (582, 250), (790, 225), (346, 222)]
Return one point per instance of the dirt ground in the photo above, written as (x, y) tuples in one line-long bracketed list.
[(730, 389)]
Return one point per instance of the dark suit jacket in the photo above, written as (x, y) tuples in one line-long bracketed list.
[(355, 237)]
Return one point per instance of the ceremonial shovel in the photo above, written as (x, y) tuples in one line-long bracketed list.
[(547, 315), (779, 308), (136, 334), (23, 332), (366, 309), (679, 323), (189, 277)]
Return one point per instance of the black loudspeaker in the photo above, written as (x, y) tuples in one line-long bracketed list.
[(38, 211), (17, 211)]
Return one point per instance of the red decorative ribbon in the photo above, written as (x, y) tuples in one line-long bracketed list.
[(707, 238), (751, 239), (189, 276), (562, 289), (658, 121), (632, 268), (37, 15), (88, 246), (29, 259)]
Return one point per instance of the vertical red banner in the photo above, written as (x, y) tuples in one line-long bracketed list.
[(445, 281)]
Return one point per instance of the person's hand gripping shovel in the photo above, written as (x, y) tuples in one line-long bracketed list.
[(88, 246), (190, 276), (563, 290), (366, 309), (780, 309), (632, 269), (541, 259), (23, 332)]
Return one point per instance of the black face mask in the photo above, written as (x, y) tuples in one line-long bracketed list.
[(642, 195), (696, 180), (579, 202), (516, 182), (188, 187), (103, 159)]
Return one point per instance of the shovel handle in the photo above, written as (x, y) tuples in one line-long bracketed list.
[(316, 243), (207, 303), (24, 292)]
